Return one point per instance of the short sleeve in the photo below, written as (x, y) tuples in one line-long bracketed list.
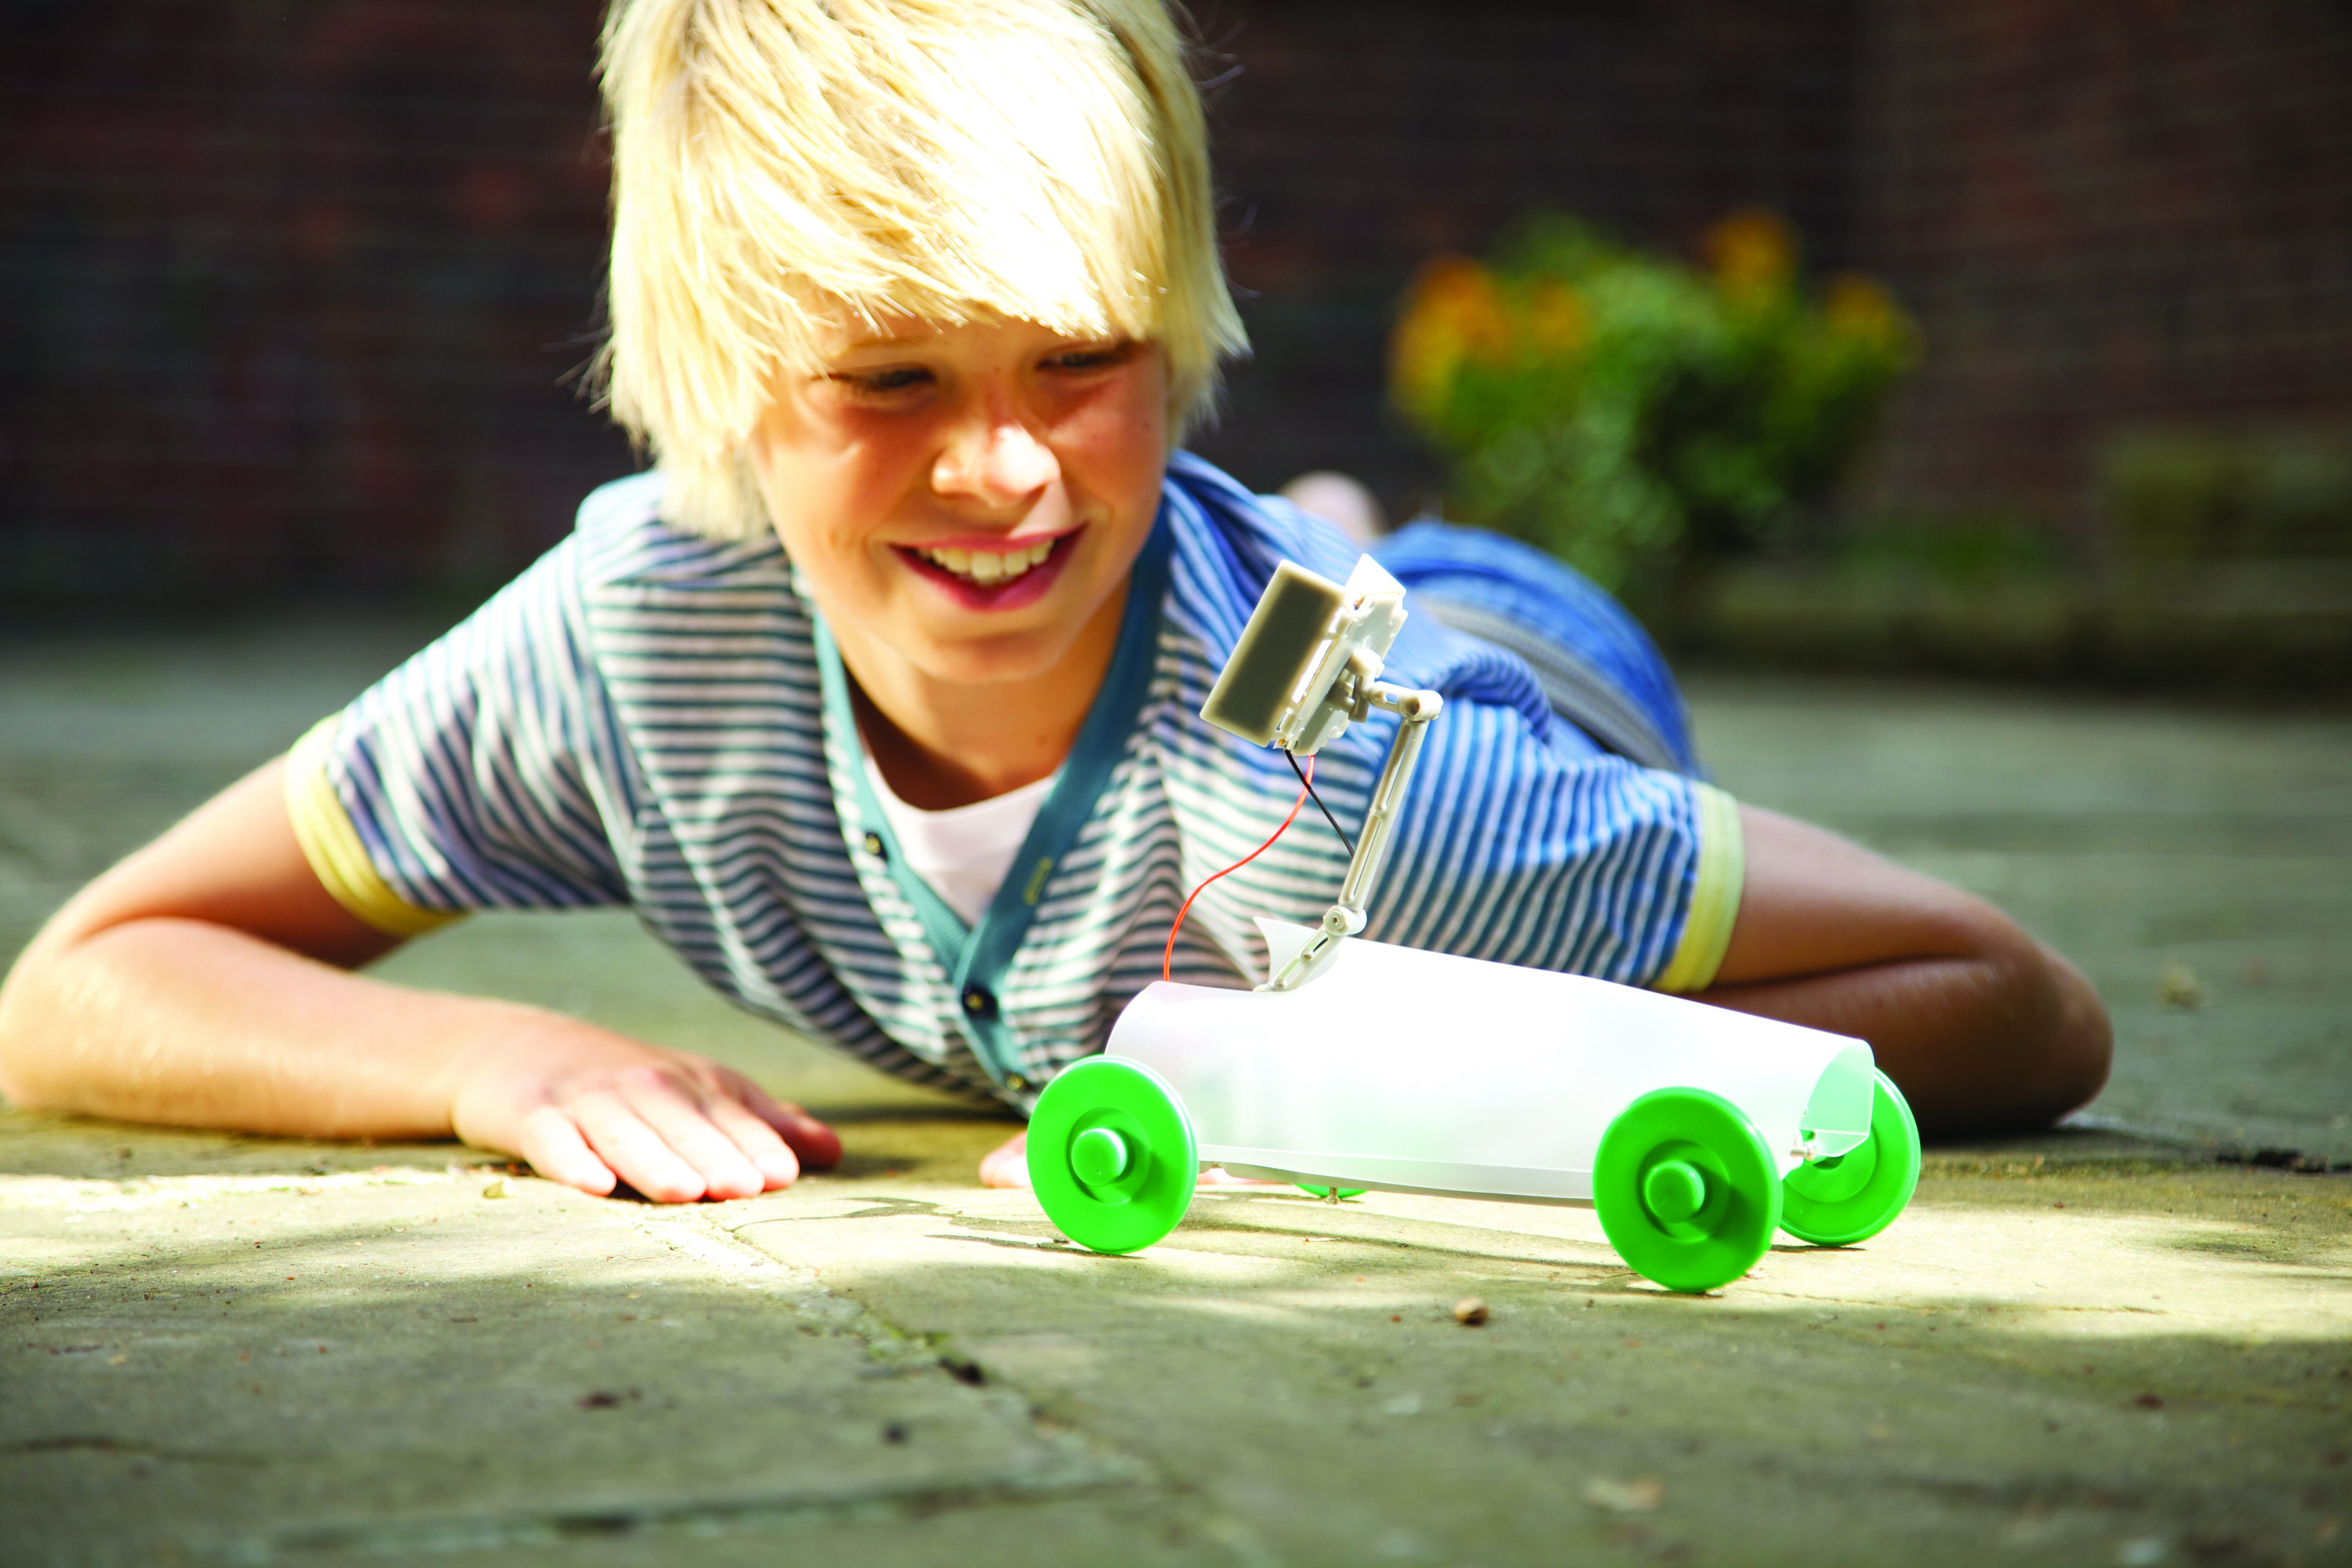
[(1517, 850), (472, 776), (1715, 887)]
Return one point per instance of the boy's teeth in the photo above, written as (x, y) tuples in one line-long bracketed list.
[(991, 566)]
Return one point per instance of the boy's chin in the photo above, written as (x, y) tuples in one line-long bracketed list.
[(1008, 659), (1028, 644)]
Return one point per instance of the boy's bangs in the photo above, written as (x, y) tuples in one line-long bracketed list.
[(954, 186), (785, 169)]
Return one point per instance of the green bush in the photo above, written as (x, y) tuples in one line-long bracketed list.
[(2195, 495), (1623, 409)]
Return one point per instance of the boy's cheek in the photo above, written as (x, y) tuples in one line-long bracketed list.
[(1114, 474), (1126, 428), (827, 517)]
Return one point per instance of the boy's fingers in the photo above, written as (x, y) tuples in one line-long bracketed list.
[(683, 1122), (758, 1140), (637, 1153), (818, 1146), (727, 1080), (556, 1150)]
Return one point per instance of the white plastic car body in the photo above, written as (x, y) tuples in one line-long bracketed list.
[(1423, 1072), (1696, 1131)]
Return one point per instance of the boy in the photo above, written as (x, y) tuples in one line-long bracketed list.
[(877, 700)]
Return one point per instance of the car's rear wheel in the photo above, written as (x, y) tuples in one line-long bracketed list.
[(1854, 1196)]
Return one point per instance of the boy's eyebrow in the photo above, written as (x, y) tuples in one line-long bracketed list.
[(921, 335), (887, 340)]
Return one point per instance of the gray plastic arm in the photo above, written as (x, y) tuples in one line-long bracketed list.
[(1346, 917)]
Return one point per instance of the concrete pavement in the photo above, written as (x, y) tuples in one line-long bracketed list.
[(232, 1351), (2094, 1347)]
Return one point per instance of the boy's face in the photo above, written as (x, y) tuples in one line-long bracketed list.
[(966, 500)]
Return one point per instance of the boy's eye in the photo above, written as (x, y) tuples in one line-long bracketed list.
[(1096, 356), (883, 383)]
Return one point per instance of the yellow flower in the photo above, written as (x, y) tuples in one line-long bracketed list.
[(1753, 253), (1453, 313), (1860, 308), (1556, 322)]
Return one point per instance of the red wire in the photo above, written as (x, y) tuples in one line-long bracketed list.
[(1168, 956)]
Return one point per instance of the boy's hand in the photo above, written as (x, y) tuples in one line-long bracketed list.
[(204, 982), (596, 1113)]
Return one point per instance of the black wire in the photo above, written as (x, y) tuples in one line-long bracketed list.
[(1308, 786)]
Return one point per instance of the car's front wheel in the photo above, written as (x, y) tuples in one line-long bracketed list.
[(1687, 1190), (1111, 1154)]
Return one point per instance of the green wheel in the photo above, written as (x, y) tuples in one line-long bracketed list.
[(1854, 1196), (1111, 1154), (1687, 1190)]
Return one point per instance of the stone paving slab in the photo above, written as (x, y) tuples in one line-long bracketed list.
[(2072, 1349), (2156, 1373), (239, 1366), (2195, 860), (2088, 1356)]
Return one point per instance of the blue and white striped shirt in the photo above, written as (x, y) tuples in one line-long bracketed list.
[(652, 718)]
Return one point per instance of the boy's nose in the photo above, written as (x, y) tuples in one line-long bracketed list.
[(997, 460)]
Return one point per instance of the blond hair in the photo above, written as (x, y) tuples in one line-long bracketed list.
[(785, 167)]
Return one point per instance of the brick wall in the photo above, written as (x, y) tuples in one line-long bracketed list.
[(289, 292), (292, 286), (2109, 214), (1359, 137)]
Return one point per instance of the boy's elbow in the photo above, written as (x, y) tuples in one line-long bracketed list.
[(35, 1068), (2026, 1041), (2082, 1041), (2050, 1042), (16, 1089)]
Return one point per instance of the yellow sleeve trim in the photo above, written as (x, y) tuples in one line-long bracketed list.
[(1715, 896), (332, 845)]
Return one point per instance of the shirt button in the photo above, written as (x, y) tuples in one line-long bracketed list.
[(979, 1002), (1015, 1082), (874, 844)]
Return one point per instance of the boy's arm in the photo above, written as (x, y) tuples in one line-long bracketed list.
[(1984, 1028), (203, 982)]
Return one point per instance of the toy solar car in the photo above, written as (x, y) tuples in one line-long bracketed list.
[(1693, 1131), (1697, 1132)]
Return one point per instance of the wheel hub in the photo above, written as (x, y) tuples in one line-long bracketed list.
[(1674, 1190), (1099, 1156)]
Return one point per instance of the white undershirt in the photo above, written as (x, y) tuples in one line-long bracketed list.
[(965, 852)]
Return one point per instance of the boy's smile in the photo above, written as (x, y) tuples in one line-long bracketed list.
[(990, 572), (964, 503)]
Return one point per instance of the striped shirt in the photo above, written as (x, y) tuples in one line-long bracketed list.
[(652, 717)]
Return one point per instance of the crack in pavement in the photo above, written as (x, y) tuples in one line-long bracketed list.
[(697, 1518)]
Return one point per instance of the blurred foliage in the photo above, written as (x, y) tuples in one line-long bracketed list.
[(1965, 549), (2188, 496), (1625, 409)]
